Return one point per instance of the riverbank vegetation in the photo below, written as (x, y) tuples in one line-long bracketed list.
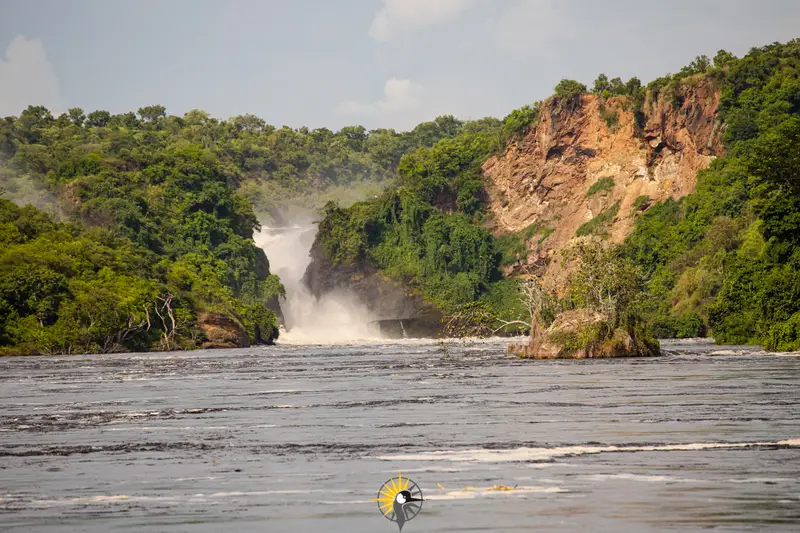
[(722, 261), (145, 234), (726, 259)]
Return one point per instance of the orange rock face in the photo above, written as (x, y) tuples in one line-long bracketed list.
[(221, 331), (545, 177)]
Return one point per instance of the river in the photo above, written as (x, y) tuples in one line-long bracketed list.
[(298, 438)]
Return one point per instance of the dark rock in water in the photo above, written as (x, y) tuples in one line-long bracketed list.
[(274, 305), (262, 271), (389, 302), (222, 331), (421, 327)]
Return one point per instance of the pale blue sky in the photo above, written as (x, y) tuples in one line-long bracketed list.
[(381, 63)]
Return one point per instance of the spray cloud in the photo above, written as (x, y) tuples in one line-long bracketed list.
[(337, 316)]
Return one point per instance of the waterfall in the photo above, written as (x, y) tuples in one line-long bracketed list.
[(335, 317)]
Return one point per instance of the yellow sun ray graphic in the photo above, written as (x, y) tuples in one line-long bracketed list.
[(388, 492)]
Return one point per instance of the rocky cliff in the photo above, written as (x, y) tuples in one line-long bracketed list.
[(593, 156), (589, 166)]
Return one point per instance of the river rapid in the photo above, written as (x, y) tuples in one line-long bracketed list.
[(298, 438)]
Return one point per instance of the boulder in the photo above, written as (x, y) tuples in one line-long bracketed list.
[(222, 331)]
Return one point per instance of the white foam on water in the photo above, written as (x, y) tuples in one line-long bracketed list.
[(435, 469), (761, 480), (344, 502), (124, 498), (234, 494), (526, 454), (468, 493), (167, 428), (276, 391), (335, 317), (640, 477), (100, 499), (103, 499)]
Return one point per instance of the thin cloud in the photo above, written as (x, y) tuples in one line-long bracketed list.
[(528, 23), (27, 78), (399, 17), (399, 96)]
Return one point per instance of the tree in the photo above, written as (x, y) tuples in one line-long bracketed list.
[(776, 157), (723, 59), (535, 300), (603, 281), (248, 123), (699, 65), (32, 121), (125, 120), (569, 89), (449, 125), (196, 117), (633, 87), (76, 115), (601, 84), (152, 113), (98, 119), (519, 121), (355, 136)]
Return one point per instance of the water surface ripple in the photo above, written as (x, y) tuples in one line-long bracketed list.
[(299, 438)]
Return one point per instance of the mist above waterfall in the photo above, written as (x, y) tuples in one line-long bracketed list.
[(336, 316)]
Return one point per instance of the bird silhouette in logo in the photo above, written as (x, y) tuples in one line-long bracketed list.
[(400, 500)]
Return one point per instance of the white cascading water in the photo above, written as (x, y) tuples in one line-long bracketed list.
[(335, 317)]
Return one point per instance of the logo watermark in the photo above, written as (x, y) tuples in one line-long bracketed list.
[(400, 500)]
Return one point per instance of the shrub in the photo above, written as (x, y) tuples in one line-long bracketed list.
[(684, 326), (641, 203), (784, 336), (511, 248), (689, 325), (662, 327), (545, 233), (603, 184), (598, 225), (611, 118), (519, 121)]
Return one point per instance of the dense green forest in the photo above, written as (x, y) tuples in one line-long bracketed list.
[(724, 261), (147, 220), (426, 230), (727, 259)]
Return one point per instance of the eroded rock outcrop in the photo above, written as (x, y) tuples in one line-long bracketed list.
[(222, 331), (546, 177), (585, 334)]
